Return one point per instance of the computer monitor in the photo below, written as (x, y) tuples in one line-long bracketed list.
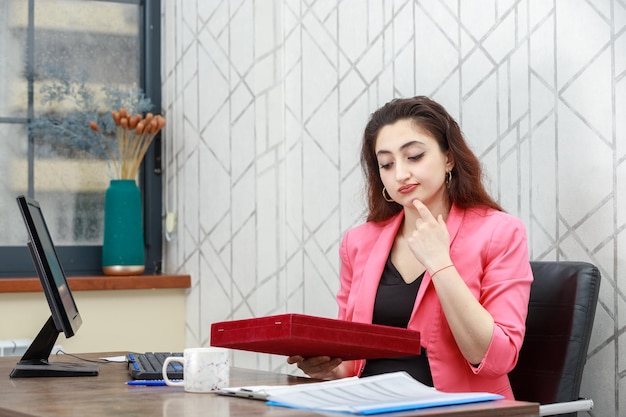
[(64, 313)]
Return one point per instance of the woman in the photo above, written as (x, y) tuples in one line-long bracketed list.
[(437, 254)]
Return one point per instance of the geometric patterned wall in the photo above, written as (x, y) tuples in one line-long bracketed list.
[(266, 102)]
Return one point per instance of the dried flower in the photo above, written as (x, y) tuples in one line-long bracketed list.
[(75, 118), (134, 134)]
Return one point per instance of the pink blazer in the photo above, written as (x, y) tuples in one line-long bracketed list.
[(490, 252)]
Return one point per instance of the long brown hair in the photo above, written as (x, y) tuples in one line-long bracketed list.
[(465, 189)]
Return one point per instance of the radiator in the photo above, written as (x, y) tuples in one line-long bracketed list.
[(15, 347)]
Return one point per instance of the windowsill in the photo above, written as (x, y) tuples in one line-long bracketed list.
[(99, 283)]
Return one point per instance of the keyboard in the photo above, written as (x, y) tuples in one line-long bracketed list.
[(148, 365)]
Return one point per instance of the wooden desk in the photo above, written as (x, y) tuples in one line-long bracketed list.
[(108, 395)]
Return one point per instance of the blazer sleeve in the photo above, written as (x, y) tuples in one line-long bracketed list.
[(351, 368), (345, 279), (505, 292)]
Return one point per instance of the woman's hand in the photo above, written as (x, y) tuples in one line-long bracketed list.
[(320, 367), (430, 241)]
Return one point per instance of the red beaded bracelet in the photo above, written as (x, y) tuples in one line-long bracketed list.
[(441, 269)]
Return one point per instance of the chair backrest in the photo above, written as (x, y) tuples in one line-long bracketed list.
[(562, 307)]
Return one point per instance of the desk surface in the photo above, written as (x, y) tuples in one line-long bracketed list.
[(107, 395)]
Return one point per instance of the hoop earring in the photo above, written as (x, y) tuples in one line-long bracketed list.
[(387, 197), (448, 177)]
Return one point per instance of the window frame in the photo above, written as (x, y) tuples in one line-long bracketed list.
[(85, 260)]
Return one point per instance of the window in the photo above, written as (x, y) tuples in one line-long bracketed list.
[(103, 43)]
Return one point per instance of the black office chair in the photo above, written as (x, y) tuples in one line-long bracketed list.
[(562, 307)]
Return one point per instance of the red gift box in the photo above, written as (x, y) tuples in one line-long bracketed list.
[(299, 334)]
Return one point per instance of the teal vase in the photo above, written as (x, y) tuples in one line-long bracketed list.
[(123, 245)]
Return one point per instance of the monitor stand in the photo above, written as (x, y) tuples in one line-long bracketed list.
[(35, 363)]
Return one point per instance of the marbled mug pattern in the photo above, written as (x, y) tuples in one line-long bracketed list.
[(206, 369)]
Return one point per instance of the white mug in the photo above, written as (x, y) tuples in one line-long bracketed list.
[(205, 369)]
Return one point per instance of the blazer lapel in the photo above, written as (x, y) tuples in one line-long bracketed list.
[(373, 270)]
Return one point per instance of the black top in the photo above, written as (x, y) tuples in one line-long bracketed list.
[(393, 307)]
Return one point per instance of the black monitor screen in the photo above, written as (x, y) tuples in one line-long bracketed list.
[(62, 304), (64, 313)]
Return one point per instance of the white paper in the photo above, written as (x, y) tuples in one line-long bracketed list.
[(115, 359), (371, 395), (263, 392)]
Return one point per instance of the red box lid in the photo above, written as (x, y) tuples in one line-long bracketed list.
[(299, 334)]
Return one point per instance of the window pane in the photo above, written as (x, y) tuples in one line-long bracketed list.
[(71, 192), (97, 42), (85, 53), (13, 182), (13, 87)]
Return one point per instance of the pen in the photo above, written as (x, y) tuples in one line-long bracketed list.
[(150, 382)]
